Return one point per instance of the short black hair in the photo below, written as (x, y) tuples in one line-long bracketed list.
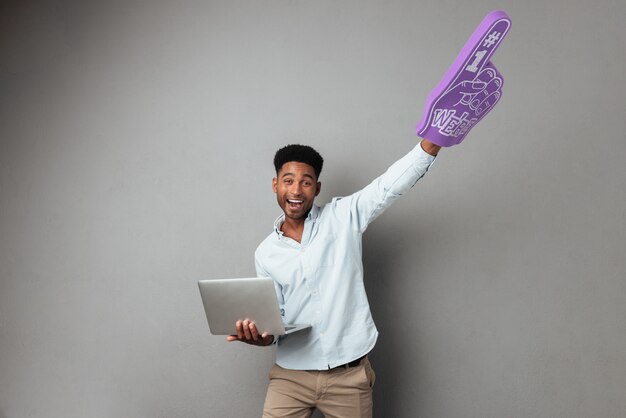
[(299, 153)]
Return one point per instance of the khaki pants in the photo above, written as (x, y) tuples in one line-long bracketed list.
[(337, 393)]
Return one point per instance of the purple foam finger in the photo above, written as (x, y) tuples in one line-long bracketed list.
[(451, 109)]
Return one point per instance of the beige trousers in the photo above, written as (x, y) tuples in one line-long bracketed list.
[(337, 393)]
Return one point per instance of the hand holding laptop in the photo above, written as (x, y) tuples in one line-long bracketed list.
[(247, 333), (227, 301)]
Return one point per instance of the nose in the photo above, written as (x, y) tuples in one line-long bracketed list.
[(296, 189)]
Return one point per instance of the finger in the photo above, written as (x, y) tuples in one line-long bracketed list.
[(231, 338), (254, 332), (488, 103), (246, 329), (492, 88), (487, 74), (239, 328), (481, 45)]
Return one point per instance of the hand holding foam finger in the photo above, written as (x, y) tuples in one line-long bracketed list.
[(470, 88)]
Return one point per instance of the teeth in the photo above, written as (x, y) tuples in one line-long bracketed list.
[(294, 201)]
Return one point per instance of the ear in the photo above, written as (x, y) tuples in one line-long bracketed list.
[(319, 188), (274, 184)]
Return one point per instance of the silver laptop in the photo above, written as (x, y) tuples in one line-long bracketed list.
[(228, 300)]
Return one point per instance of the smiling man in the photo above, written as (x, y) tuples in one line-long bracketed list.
[(314, 257), (314, 254)]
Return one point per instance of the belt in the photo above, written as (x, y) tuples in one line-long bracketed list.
[(353, 363)]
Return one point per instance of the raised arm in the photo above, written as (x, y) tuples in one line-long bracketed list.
[(364, 206)]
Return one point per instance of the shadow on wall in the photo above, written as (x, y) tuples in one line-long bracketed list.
[(385, 257), (378, 268)]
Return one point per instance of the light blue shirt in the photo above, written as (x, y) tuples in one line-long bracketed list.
[(319, 281)]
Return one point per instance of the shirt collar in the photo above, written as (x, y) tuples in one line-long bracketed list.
[(312, 216)]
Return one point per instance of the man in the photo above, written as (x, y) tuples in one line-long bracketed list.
[(314, 256)]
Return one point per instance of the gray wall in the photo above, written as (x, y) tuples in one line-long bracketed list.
[(136, 141)]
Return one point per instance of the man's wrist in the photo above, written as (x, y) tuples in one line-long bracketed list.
[(429, 147)]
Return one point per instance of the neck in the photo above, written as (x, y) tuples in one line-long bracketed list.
[(293, 228)]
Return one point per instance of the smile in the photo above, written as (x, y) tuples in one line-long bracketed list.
[(295, 204)]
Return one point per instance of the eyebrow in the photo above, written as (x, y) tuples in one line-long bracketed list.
[(292, 174)]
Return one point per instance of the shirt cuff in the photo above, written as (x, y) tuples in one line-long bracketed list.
[(423, 156)]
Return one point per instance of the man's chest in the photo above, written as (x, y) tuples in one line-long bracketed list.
[(314, 262)]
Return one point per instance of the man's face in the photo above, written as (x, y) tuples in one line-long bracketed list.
[(296, 187)]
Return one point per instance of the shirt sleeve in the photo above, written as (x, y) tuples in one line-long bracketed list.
[(367, 204)]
